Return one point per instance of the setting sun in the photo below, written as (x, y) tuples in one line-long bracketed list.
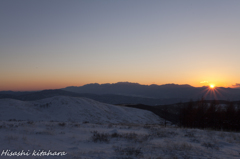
[(212, 86)]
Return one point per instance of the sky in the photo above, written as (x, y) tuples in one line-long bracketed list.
[(50, 44)]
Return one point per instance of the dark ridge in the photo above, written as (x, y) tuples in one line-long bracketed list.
[(105, 98), (172, 112)]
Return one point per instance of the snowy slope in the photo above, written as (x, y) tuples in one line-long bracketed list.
[(118, 141), (61, 108)]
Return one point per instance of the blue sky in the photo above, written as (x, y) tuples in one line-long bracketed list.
[(53, 43)]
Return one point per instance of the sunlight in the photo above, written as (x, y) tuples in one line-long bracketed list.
[(212, 92), (212, 86)]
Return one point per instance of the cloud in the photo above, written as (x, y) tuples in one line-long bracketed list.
[(204, 82), (236, 85)]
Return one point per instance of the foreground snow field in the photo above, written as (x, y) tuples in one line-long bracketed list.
[(115, 141), (80, 128)]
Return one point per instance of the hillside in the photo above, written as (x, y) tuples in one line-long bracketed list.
[(61, 108)]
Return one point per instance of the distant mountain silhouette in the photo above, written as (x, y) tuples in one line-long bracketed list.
[(166, 91), (132, 93)]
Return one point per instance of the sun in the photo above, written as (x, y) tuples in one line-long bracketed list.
[(212, 86)]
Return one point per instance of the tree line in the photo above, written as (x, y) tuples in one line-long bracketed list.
[(202, 114)]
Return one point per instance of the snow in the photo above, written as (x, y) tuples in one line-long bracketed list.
[(61, 108), (123, 141), (87, 129)]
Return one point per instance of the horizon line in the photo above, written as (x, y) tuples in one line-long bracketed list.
[(112, 84)]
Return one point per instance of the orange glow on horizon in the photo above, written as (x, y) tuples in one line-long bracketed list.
[(42, 84)]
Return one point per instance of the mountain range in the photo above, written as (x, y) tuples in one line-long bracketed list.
[(132, 93), (167, 91)]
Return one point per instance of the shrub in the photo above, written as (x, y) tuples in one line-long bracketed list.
[(45, 132), (100, 137), (116, 135), (210, 145), (12, 120), (189, 134), (77, 125), (130, 136), (30, 122), (62, 124), (128, 151), (162, 133)]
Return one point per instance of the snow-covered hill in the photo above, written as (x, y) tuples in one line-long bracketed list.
[(61, 108)]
